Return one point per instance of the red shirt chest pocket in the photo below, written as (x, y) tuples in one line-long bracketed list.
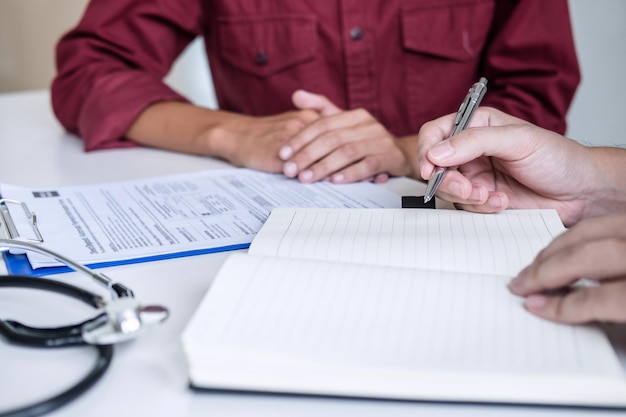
[(266, 45), (443, 42), (454, 30)]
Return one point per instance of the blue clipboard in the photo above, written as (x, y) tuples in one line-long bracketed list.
[(18, 264)]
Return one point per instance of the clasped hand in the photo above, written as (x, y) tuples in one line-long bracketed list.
[(342, 146)]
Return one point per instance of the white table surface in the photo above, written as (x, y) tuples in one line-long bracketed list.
[(148, 376)]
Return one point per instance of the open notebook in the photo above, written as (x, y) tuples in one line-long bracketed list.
[(395, 304)]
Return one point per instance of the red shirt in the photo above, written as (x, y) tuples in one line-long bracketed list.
[(405, 61)]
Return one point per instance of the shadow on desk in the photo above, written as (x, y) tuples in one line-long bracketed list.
[(617, 335)]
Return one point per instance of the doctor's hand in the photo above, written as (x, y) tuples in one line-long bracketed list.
[(593, 249), (343, 146), (502, 162)]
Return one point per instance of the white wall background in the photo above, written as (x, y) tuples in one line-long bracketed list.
[(190, 75), (599, 107)]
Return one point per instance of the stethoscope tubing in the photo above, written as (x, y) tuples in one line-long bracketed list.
[(57, 337)]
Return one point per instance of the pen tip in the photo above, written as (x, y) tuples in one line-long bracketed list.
[(426, 199)]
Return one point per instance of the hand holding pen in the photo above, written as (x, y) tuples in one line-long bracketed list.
[(463, 116)]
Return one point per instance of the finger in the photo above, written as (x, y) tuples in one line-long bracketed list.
[(366, 169), (440, 129), (305, 100), (316, 103), (430, 134), (329, 135), (381, 178), (473, 143), (588, 230), (597, 259), (332, 154), (325, 129), (494, 202), (604, 303), (377, 179), (327, 125), (457, 188), (439, 154), (473, 189)]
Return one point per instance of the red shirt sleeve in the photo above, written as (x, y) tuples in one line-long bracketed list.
[(531, 62), (111, 66)]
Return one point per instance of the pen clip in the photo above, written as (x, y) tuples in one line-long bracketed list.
[(462, 107), (477, 91), (472, 101)]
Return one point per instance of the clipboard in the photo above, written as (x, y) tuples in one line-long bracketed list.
[(8, 230), (17, 262)]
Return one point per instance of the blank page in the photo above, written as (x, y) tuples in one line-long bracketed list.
[(446, 240), (386, 318)]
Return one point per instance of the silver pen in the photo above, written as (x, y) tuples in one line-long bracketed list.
[(463, 116)]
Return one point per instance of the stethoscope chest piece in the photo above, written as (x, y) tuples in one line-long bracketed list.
[(125, 320), (119, 319)]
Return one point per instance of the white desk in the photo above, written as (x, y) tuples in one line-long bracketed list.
[(148, 377)]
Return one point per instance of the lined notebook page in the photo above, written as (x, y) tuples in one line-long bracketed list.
[(386, 317), (447, 240)]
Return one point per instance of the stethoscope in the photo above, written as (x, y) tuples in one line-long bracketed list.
[(119, 318)]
